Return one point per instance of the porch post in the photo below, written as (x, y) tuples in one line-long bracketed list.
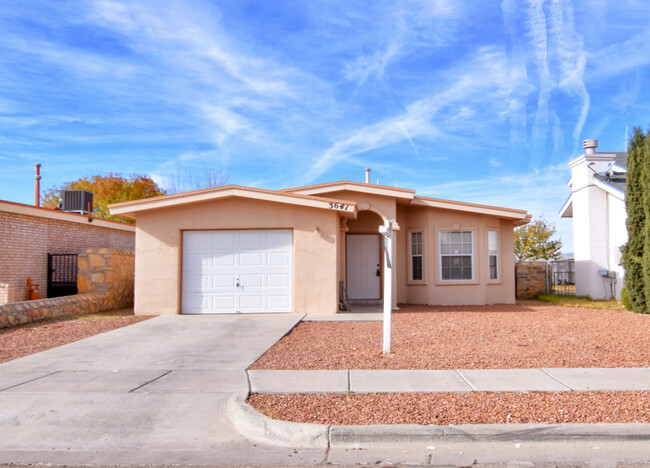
[(387, 231)]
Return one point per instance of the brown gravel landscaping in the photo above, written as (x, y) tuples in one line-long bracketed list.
[(530, 334), (457, 408), (30, 338)]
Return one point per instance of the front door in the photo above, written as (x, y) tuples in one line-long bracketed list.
[(363, 266)]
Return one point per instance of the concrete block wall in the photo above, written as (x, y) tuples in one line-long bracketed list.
[(28, 238), (531, 279)]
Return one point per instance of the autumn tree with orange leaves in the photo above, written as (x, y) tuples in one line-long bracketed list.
[(112, 188)]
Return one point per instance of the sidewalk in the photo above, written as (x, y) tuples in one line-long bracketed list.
[(490, 380)]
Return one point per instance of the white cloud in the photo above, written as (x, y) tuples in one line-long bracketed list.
[(446, 109)]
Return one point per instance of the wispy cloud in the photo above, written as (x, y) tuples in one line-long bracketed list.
[(430, 117)]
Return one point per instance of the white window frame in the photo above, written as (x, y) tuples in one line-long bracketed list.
[(497, 255), (421, 255), (471, 255)]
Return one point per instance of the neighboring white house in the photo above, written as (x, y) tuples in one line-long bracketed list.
[(597, 206)]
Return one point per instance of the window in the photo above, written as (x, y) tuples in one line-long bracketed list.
[(417, 272), (456, 255), (493, 253)]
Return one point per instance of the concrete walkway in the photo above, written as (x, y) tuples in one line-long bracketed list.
[(497, 380)]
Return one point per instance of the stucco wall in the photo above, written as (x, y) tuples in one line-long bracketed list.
[(28, 236), (158, 250), (433, 290), (617, 236)]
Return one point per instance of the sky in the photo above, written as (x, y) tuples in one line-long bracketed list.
[(478, 101)]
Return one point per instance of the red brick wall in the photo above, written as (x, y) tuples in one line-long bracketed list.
[(26, 240)]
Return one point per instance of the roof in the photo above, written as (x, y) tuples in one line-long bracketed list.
[(51, 213), (306, 196), (347, 185), (131, 208), (520, 217)]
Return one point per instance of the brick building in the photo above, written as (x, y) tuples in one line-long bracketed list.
[(29, 233)]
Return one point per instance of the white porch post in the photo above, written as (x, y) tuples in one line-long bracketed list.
[(387, 231)]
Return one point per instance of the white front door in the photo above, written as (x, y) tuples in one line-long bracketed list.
[(237, 271), (362, 266)]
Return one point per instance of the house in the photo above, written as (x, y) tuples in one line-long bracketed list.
[(597, 206), (30, 233), (240, 249)]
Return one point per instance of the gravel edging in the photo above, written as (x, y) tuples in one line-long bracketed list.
[(263, 429), (521, 336)]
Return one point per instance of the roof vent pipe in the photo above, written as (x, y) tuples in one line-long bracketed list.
[(590, 146), (367, 175), (37, 191)]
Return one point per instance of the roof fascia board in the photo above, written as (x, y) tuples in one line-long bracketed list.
[(609, 189), (344, 207), (37, 212), (471, 208), (602, 157), (405, 194)]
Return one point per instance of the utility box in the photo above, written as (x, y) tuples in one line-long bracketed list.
[(76, 201)]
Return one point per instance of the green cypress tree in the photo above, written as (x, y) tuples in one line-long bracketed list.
[(636, 222), (645, 184)]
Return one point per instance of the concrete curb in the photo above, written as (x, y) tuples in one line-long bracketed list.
[(263, 429)]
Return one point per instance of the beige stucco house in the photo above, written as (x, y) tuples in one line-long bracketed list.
[(238, 249)]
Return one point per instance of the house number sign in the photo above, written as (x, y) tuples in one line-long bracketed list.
[(338, 206)]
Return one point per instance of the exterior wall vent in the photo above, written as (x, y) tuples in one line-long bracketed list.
[(76, 201)]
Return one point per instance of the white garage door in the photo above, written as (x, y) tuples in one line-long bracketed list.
[(247, 271)]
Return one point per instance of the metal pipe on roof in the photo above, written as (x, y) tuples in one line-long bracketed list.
[(37, 190), (367, 175)]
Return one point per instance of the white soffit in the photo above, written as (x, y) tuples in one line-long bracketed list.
[(567, 209)]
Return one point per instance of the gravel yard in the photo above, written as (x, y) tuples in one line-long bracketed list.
[(527, 335), (30, 338), (455, 408)]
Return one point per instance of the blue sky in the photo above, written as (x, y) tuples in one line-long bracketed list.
[(479, 101)]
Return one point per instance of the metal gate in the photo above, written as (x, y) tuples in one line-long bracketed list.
[(564, 283), (61, 275), (562, 277)]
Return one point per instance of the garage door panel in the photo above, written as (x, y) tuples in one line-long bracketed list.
[(223, 303), (246, 271), (221, 240), (252, 238), (278, 259), (278, 281), (196, 260), (223, 281), (251, 281), (195, 282), (224, 259), (251, 259), (277, 302), (251, 303)]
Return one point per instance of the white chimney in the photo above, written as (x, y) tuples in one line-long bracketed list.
[(590, 146), (367, 175)]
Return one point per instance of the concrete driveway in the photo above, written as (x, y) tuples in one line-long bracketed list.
[(151, 393)]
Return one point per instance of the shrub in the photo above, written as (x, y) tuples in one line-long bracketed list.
[(625, 299)]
